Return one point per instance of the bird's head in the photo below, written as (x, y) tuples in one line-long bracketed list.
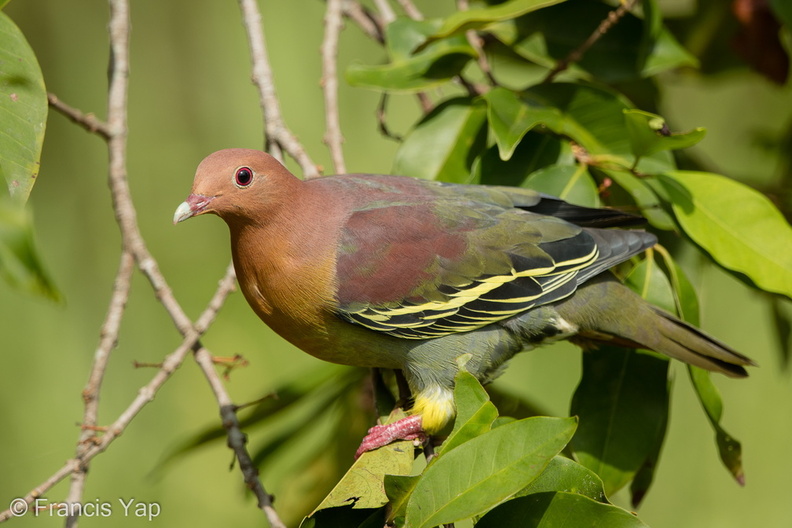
[(236, 184)]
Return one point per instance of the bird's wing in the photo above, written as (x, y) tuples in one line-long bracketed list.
[(423, 268)]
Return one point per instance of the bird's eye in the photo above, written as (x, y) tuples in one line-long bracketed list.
[(243, 177)]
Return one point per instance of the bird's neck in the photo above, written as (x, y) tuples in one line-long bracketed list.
[(286, 265)]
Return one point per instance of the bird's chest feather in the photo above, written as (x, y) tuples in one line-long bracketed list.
[(288, 283)]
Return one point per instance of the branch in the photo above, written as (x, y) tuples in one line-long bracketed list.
[(145, 395), (411, 10), (333, 137), (108, 339), (88, 121), (386, 11), (237, 439), (279, 137), (365, 19), (575, 55), (115, 134)]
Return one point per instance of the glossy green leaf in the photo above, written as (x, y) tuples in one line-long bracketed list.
[(558, 510), (363, 485), (409, 70), (486, 470), (739, 227), (399, 489), (479, 18), (685, 297), (622, 403), (511, 117), (20, 263), (23, 111), (649, 204), (647, 137), (572, 183), (3, 3), (625, 53), (533, 152), (729, 448), (475, 411), (564, 474), (443, 145), (648, 280)]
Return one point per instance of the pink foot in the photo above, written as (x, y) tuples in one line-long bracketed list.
[(405, 429)]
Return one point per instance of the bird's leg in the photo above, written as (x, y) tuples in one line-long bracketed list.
[(409, 428)]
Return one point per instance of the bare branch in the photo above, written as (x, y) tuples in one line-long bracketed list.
[(279, 137), (575, 55), (365, 19), (237, 439), (333, 137), (145, 395), (383, 125), (116, 142), (475, 42), (412, 11), (88, 121), (107, 341), (386, 11)]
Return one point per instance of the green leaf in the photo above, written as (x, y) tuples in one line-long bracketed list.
[(627, 52), (410, 71), (3, 3), (649, 205), (23, 111), (739, 227), (475, 411), (729, 448), (511, 117), (622, 403), (399, 490), (363, 485), (532, 153), (572, 183), (486, 470), (563, 474), (443, 145), (648, 280), (20, 263), (685, 298), (480, 18), (558, 510), (647, 137)]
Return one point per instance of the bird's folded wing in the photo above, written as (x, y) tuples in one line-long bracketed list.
[(435, 267)]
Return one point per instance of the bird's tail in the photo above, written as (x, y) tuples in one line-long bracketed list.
[(604, 310)]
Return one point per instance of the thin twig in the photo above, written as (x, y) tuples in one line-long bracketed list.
[(365, 19), (237, 439), (279, 137), (118, 28), (386, 11), (575, 55), (475, 42), (333, 138), (145, 394), (88, 121), (412, 11), (107, 341), (381, 122)]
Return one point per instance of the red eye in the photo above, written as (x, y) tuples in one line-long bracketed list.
[(243, 177)]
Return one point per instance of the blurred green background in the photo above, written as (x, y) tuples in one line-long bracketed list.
[(190, 94)]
